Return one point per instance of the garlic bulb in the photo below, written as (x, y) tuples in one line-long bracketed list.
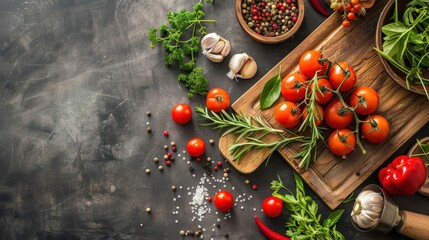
[(215, 47), (242, 66), (367, 209)]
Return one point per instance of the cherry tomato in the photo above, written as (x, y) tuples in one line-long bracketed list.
[(325, 95), (318, 114), (338, 74), (351, 16), (375, 129), (366, 99), (181, 113), (342, 142), (293, 87), (346, 23), (287, 114), (337, 115), (310, 63), (217, 100), (357, 7), (223, 200), (354, 2), (272, 206), (195, 147)]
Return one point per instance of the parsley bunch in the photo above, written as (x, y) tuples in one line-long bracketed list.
[(181, 41), (304, 221)]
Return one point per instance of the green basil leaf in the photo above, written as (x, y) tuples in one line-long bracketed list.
[(424, 147), (335, 216), (271, 92)]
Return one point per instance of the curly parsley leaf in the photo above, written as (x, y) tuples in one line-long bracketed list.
[(196, 82)]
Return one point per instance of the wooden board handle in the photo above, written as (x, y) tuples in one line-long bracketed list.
[(414, 225)]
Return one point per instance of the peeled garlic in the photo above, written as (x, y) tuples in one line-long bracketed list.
[(242, 66), (367, 209), (215, 47)]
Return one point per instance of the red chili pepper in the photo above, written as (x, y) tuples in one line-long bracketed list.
[(270, 234), (403, 176), (317, 5)]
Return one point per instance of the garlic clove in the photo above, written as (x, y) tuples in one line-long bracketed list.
[(236, 63), (209, 41), (214, 57), (249, 69), (226, 49), (218, 47)]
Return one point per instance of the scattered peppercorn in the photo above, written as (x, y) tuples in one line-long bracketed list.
[(226, 235), (165, 147), (172, 158), (165, 156), (191, 169), (247, 181), (166, 133), (173, 188), (197, 233), (254, 187), (173, 144), (155, 159), (211, 141), (219, 164), (148, 113), (174, 148), (168, 163), (169, 155), (198, 159), (160, 168), (209, 199), (147, 170), (182, 232), (148, 210), (218, 225), (209, 159), (148, 130), (225, 175), (215, 168)]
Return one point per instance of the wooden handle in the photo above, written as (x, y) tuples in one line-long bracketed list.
[(414, 225)]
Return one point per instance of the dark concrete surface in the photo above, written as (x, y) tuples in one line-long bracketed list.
[(78, 77)]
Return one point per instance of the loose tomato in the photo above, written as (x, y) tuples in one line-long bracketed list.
[(181, 113), (351, 16), (311, 62), (375, 128), (223, 200), (337, 115), (272, 206), (366, 99), (343, 73), (318, 114), (195, 147), (325, 93), (342, 142), (346, 23), (293, 87), (217, 100), (287, 114)]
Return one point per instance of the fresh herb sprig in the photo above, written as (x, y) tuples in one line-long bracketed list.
[(251, 129), (181, 41), (196, 82), (304, 221), (406, 42)]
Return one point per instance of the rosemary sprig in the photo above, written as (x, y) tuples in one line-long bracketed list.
[(251, 129)]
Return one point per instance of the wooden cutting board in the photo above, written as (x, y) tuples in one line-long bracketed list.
[(334, 178)]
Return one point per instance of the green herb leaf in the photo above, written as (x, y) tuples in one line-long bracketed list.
[(335, 216), (271, 91)]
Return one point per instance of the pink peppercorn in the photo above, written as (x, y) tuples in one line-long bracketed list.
[(166, 133), (168, 162), (219, 164), (254, 187)]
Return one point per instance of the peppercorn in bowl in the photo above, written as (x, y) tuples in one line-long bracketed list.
[(270, 21)]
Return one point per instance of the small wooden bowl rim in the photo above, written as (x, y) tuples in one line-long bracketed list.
[(395, 74), (270, 40), (425, 189)]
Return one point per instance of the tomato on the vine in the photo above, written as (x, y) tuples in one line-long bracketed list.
[(287, 114), (351, 16), (196, 147), (325, 93), (337, 115), (318, 114), (181, 113), (354, 2), (293, 87), (311, 62), (346, 23), (223, 200), (342, 142), (366, 99), (343, 73), (375, 128), (217, 100), (272, 206)]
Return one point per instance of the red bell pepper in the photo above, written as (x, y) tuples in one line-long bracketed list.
[(403, 176)]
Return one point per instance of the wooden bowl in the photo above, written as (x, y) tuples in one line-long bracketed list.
[(415, 149), (396, 75), (264, 39)]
